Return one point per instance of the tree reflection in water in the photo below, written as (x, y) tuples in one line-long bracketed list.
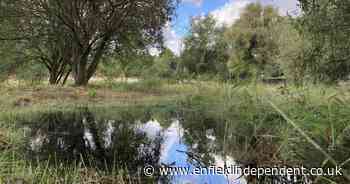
[(130, 144), (66, 138)]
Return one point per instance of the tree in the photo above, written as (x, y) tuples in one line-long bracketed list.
[(89, 29), (294, 46), (7, 64), (10, 52), (327, 25), (54, 50), (34, 39), (252, 43), (126, 62), (205, 51), (165, 65)]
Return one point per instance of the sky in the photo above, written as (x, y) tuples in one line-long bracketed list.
[(224, 11)]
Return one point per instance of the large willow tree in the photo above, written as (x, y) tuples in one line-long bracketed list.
[(253, 43), (204, 49), (76, 34)]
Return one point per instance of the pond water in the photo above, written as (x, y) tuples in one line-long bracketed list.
[(130, 144)]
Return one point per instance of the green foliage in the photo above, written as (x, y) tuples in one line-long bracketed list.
[(29, 70), (205, 50), (293, 46), (92, 93), (10, 59), (124, 66), (260, 44), (60, 34), (255, 131), (327, 26), (149, 85), (252, 43), (165, 65)]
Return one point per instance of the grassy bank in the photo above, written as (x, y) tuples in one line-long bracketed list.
[(258, 125), (264, 126)]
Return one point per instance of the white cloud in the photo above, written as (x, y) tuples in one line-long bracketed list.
[(229, 13), (225, 16), (172, 137), (285, 6), (151, 128), (195, 2), (154, 51), (171, 40)]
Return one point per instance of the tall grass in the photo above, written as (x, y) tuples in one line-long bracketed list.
[(265, 126)]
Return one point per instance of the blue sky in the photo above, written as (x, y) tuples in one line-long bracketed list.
[(224, 11), (190, 8)]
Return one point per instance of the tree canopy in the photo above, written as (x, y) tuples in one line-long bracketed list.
[(328, 28), (205, 50), (252, 42), (78, 33)]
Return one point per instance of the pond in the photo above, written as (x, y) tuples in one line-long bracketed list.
[(131, 144)]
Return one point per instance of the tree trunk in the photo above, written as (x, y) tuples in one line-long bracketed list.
[(79, 72), (84, 71), (57, 69), (80, 76), (53, 78), (66, 77), (82, 81)]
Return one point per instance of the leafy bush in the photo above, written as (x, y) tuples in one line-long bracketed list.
[(92, 93)]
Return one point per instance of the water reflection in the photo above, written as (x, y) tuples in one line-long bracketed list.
[(180, 153), (66, 138)]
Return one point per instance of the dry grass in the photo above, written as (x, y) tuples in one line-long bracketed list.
[(4, 141), (14, 97)]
